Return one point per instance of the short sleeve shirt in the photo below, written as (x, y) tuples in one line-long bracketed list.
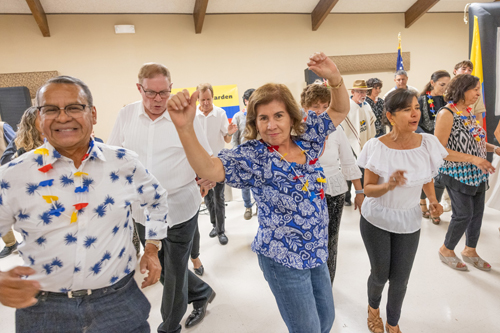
[(293, 216)]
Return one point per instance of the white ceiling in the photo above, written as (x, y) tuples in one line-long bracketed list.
[(223, 6)]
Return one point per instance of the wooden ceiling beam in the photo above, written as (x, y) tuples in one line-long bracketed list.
[(39, 16), (200, 9), (321, 11), (418, 9)]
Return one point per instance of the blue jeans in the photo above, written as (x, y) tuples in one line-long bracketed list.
[(247, 199), (121, 307), (304, 297)]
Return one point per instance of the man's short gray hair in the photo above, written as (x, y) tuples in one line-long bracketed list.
[(400, 72), (65, 79)]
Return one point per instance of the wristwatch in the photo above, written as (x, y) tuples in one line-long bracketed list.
[(156, 243)]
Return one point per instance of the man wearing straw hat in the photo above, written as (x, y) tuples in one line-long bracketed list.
[(359, 125)]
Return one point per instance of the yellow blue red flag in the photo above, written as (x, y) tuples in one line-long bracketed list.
[(225, 97), (399, 62), (476, 58)]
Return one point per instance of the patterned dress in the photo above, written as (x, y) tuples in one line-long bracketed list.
[(464, 176), (293, 216), (378, 110)]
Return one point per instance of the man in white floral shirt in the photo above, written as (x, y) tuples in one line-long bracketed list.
[(70, 200)]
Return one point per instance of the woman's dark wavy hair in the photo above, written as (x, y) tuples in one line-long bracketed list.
[(458, 86)]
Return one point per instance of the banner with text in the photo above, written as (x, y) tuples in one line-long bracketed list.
[(225, 97)]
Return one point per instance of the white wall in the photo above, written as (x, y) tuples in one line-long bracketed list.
[(247, 50)]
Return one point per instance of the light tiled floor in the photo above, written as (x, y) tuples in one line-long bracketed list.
[(438, 299)]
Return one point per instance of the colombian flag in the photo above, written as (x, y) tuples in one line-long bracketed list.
[(477, 59), (399, 62)]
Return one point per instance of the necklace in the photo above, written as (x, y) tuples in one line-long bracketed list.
[(472, 124), (81, 191), (291, 166), (430, 101)]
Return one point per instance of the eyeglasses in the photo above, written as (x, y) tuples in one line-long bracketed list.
[(152, 94), (71, 110)]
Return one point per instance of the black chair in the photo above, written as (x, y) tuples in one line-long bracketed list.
[(13, 102)]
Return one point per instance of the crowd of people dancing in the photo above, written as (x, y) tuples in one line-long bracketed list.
[(84, 208)]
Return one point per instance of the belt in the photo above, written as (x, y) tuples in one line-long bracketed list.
[(87, 292)]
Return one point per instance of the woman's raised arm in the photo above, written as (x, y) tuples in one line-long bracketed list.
[(324, 67), (182, 110)]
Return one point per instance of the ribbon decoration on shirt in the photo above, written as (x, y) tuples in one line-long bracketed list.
[(48, 182), (50, 198), (58, 209), (46, 168), (305, 188), (42, 151), (293, 165), (313, 161), (273, 148)]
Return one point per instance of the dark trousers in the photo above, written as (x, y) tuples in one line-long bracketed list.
[(391, 258), (195, 249), (119, 308), (214, 200), (180, 285), (438, 188), (349, 185), (335, 208), (467, 217)]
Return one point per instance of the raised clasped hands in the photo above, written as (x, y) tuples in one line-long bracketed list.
[(324, 67), (396, 179), (182, 108)]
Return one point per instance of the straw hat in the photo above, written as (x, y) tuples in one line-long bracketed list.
[(360, 85)]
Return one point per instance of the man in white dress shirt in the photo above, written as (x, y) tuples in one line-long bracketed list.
[(145, 127), (70, 200), (401, 80), (214, 121), (359, 125)]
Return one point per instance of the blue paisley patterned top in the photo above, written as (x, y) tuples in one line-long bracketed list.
[(292, 222)]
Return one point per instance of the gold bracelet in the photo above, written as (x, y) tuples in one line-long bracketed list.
[(338, 85)]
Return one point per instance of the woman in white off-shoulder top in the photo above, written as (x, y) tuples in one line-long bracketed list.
[(397, 166), (338, 164)]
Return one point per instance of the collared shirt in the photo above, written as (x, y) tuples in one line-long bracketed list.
[(83, 239), (215, 127), (359, 125), (160, 150), (293, 217)]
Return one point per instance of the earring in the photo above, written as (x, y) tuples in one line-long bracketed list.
[(392, 123)]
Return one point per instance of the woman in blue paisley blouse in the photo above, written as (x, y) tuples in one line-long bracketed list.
[(465, 172), (280, 165)]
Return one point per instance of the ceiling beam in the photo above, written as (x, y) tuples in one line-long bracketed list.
[(418, 9), (321, 11), (200, 9), (39, 16)]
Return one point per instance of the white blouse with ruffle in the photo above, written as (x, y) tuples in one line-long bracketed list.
[(398, 210), (338, 162)]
